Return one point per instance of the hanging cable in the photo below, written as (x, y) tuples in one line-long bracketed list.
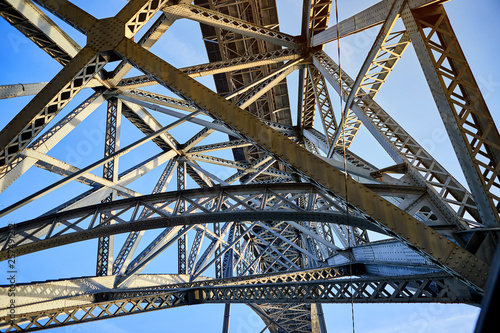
[(344, 121)]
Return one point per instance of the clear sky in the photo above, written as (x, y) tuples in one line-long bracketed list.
[(405, 96)]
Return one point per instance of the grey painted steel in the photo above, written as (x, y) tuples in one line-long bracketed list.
[(19, 90), (365, 105), (38, 27), (425, 288), (363, 20), (266, 226), (50, 138), (489, 211), (43, 229), (230, 23)]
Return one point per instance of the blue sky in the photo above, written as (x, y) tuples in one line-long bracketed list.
[(405, 96)]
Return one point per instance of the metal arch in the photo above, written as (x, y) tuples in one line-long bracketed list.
[(66, 225)]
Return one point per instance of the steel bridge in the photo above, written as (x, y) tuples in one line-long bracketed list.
[(260, 206)]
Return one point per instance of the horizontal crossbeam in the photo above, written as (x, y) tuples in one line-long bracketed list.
[(401, 289), (363, 20)]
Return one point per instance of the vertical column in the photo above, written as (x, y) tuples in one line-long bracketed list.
[(318, 324), (237, 248), (227, 313), (218, 262), (227, 267), (182, 242), (110, 172)]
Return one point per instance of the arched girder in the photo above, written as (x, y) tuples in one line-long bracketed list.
[(244, 203), (424, 288)]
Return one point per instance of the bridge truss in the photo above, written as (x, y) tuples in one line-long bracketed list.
[(258, 206)]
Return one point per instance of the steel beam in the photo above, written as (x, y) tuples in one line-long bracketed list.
[(105, 244), (69, 13), (466, 117), (231, 23), (40, 29), (197, 121), (397, 223), (94, 165), (363, 20), (240, 63), (382, 64), (19, 90), (342, 139), (49, 139), (181, 208), (319, 16), (324, 103), (30, 121), (421, 289), (308, 107), (424, 169), (253, 95), (159, 99), (137, 13)]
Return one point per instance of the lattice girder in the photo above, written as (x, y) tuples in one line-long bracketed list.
[(289, 211)]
